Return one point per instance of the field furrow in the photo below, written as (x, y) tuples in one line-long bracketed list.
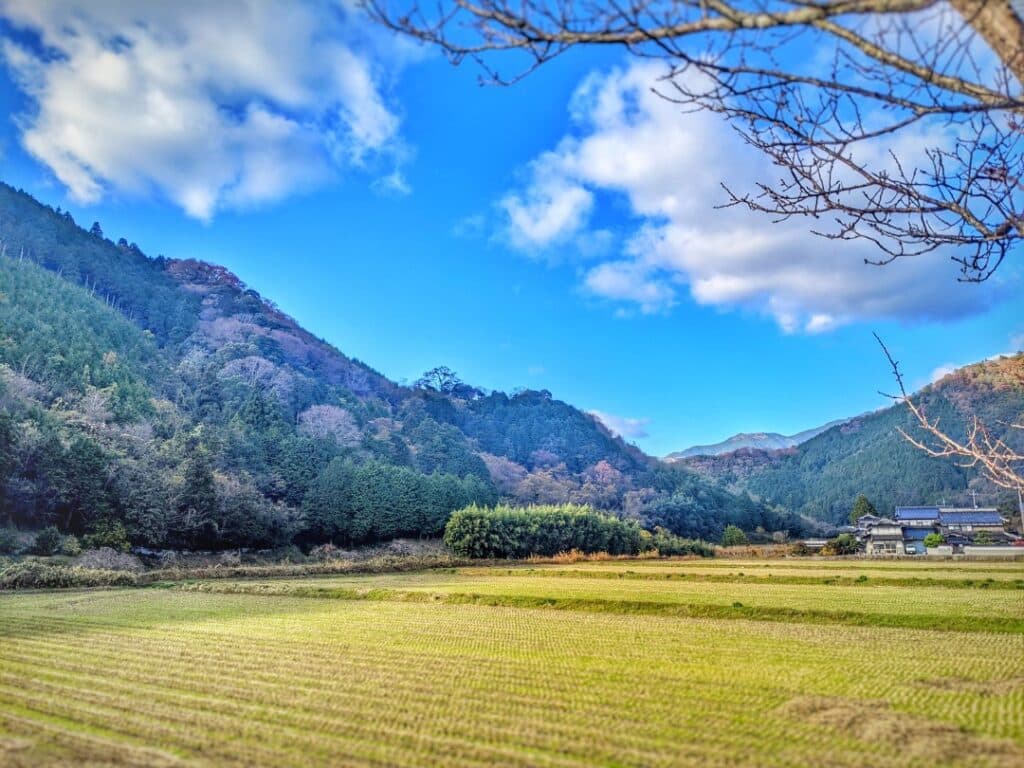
[(265, 673)]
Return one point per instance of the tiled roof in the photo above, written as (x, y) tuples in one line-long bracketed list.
[(917, 513), (973, 517)]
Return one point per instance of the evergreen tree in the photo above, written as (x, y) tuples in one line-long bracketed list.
[(861, 507), (733, 536), (197, 503), (84, 498)]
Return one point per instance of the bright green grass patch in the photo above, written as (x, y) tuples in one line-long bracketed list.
[(169, 676), (953, 573), (777, 576), (920, 565), (995, 610)]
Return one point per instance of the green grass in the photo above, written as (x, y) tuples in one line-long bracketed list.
[(472, 667)]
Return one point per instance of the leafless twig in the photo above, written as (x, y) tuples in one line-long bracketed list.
[(895, 121)]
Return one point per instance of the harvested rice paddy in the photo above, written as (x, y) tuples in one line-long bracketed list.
[(621, 663)]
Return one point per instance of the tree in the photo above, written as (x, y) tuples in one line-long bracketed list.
[(845, 132), (861, 507), (329, 503), (108, 533), (47, 541), (983, 538), (843, 544), (441, 379), (85, 498), (733, 536), (329, 422), (8, 443), (197, 502), (933, 540), (96, 230)]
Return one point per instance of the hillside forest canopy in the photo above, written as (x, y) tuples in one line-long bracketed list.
[(162, 403)]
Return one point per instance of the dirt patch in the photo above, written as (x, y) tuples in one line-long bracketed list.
[(990, 688), (914, 736), (14, 745)]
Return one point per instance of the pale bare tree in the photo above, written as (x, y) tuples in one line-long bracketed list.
[(897, 121), (980, 449), (329, 422)]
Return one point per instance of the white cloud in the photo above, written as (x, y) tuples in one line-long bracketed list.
[(623, 426), (1016, 345), (392, 185), (941, 372), (550, 210), (669, 166), (631, 282), (212, 105)]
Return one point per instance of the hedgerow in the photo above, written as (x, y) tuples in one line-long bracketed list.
[(504, 531), (35, 574)]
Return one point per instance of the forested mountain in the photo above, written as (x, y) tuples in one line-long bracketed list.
[(822, 477), (768, 441), (163, 401)]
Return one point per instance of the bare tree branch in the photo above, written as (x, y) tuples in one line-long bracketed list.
[(818, 86), (980, 449)]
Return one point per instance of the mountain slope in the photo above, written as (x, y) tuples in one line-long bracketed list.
[(822, 477), (766, 441), (164, 401)]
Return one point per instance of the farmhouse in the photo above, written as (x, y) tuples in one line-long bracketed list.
[(971, 520), (884, 537), (906, 531)]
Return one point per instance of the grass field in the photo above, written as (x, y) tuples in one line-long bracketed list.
[(625, 663)]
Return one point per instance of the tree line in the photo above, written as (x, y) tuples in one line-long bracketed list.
[(545, 530)]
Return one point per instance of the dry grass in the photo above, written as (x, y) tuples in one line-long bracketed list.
[(175, 677)]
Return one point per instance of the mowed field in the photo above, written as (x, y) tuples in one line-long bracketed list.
[(614, 663)]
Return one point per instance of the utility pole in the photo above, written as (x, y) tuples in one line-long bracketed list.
[(1020, 508)]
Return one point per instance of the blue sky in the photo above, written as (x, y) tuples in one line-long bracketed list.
[(557, 234)]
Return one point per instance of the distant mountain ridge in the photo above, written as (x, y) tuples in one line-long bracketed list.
[(765, 441), (822, 476)]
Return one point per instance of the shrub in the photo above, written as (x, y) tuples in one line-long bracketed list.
[(108, 559), (669, 545), (47, 541), (575, 556), (8, 541), (843, 544), (70, 546), (983, 537), (33, 574), (933, 540), (505, 531), (108, 533), (733, 536), (326, 552)]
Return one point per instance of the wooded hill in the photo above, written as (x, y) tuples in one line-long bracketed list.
[(164, 402), (824, 475)]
